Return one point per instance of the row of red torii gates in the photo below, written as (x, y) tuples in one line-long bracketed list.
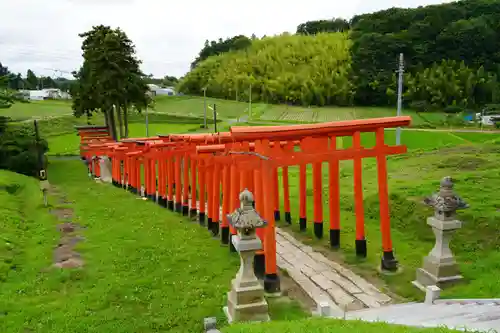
[(203, 174)]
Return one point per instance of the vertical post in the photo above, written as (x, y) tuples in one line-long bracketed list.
[(286, 195), (42, 173), (334, 198), (234, 200), (205, 107), (210, 198), (145, 162), (162, 177), (147, 122), (318, 199), (226, 201), (400, 95), (271, 279), (276, 191), (201, 189), (389, 262), (358, 199), (250, 103), (153, 178), (303, 197), (215, 118), (178, 184), (185, 185), (259, 263), (216, 199), (193, 211), (171, 181)]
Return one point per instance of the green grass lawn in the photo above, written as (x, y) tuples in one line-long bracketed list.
[(319, 325), (69, 144), (193, 106), (38, 109), (411, 177), (145, 268)]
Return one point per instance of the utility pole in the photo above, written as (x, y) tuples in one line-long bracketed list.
[(250, 103), (400, 94), (205, 106), (215, 118), (147, 123), (42, 173)]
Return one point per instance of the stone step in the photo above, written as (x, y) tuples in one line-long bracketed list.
[(463, 315), (398, 314)]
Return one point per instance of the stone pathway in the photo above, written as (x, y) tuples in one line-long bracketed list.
[(64, 254), (324, 280)]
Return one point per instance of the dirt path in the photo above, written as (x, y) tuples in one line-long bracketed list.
[(64, 254)]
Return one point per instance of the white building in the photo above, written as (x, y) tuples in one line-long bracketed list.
[(40, 95), (158, 91)]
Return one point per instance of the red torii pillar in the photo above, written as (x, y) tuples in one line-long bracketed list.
[(345, 128)]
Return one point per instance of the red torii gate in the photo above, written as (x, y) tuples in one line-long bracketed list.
[(250, 157)]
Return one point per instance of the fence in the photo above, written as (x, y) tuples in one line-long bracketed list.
[(202, 174)]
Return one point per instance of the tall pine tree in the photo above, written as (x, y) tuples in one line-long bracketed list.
[(110, 79)]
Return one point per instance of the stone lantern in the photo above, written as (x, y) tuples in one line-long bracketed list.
[(440, 267), (245, 301)]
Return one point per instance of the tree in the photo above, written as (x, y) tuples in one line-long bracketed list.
[(170, 81), (296, 69), (110, 79), (212, 48), (6, 97), (315, 27), (31, 80)]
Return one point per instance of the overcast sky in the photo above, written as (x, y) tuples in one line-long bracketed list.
[(43, 35)]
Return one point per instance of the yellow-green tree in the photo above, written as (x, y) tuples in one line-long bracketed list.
[(297, 69)]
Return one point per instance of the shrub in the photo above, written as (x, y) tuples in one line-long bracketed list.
[(18, 151), (453, 109)]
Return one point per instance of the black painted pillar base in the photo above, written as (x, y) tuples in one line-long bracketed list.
[(277, 215), (162, 201), (178, 207), (132, 189), (215, 228), (361, 250), (271, 283), (288, 217), (303, 224), (259, 265), (231, 246), (389, 263), (201, 219), (185, 210), (209, 223), (318, 230), (151, 197), (193, 212), (170, 205), (335, 238), (224, 239)]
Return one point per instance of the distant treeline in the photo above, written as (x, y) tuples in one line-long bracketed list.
[(452, 57)]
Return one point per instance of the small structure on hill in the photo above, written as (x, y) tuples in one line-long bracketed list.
[(245, 301), (440, 267)]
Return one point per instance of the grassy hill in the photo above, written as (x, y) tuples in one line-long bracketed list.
[(145, 268), (303, 70)]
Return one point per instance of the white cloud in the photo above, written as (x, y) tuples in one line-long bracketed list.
[(43, 35)]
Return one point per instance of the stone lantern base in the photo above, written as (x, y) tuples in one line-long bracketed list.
[(246, 304), (245, 301), (439, 267)]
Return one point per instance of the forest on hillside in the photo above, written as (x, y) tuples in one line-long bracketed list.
[(452, 60)]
